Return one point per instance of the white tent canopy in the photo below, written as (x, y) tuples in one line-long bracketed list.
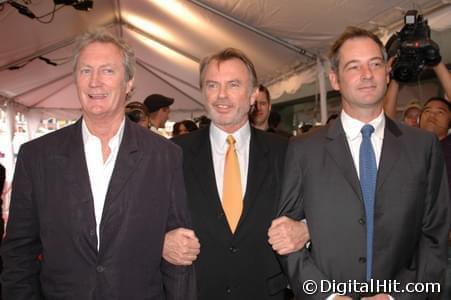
[(170, 37)]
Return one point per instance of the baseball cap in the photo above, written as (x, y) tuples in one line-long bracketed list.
[(156, 101)]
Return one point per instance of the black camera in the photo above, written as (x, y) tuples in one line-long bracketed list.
[(77, 4), (413, 48)]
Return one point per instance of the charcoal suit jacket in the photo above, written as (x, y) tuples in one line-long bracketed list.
[(52, 217), (239, 266), (410, 214)]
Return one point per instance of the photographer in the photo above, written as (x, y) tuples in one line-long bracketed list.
[(411, 50), (391, 96)]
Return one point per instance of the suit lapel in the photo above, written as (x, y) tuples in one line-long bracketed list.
[(127, 161), (202, 166), (338, 149), (258, 165), (390, 151), (75, 174)]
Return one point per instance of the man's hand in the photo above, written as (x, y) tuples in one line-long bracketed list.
[(181, 247), (287, 236)]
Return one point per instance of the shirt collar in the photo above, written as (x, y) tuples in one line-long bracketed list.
[(114, 142), (218, 136), (353, 126)]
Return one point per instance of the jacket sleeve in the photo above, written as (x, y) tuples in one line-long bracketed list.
[(179, 281), (304, 276), (22, 245), (429, 264)]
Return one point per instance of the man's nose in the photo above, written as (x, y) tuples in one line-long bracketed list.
[(367, 73), (94, 80)]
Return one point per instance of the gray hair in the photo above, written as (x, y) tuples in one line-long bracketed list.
[(103, 36), (224, 55)]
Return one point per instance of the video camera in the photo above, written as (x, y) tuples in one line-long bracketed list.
[(413, 48)]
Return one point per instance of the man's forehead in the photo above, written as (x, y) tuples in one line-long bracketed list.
[(437, 104), (352, 50), (219, 64), (261, 97)]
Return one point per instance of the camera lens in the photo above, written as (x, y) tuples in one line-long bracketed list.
[(403, 72), (431, 55)]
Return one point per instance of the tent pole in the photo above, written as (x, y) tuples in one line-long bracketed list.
[(277, 40), (43, 85), (169, 75)]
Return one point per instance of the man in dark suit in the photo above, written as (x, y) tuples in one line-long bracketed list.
[(373, 191), (94, 200), (235, 260)]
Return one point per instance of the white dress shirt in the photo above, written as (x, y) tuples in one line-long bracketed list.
[(352, 129), (219, 146), (99, 171)]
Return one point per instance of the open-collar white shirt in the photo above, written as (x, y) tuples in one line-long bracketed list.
[(100, 172)]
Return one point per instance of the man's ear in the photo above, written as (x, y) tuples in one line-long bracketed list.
[(129, 85), (253, 96), (334, 82)]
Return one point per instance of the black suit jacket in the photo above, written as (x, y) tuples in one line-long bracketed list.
[(241, 265), (52, 213), (410, 225)]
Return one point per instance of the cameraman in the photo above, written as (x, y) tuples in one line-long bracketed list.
[(391, 96)]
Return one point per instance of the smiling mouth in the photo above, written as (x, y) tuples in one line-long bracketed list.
[(367, 88), (97, 96), (222, 107)]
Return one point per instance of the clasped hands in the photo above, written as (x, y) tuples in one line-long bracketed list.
[(182, 247)]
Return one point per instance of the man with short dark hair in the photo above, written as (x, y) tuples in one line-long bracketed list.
[(373, 191), (158, 108), (436, 118), (262, 108)]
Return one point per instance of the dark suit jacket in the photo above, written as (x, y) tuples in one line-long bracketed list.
[(410, 225), (52, 213), (2, 177), (241, 265)]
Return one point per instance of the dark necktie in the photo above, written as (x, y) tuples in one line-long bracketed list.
[(368, 173)]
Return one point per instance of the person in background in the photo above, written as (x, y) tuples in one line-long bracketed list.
[(203, 121), (274, 122), (158, 107), (436, 118), (183, 127), (137, 112), (412, 111), (80, 198), (262, 108)]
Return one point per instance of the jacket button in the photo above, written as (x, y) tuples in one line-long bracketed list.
[(362, 221), (100, 269), (228, 290), (233, 249), (92, 232), (362, 260)]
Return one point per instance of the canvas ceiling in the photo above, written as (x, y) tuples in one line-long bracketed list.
[(170, 37)]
